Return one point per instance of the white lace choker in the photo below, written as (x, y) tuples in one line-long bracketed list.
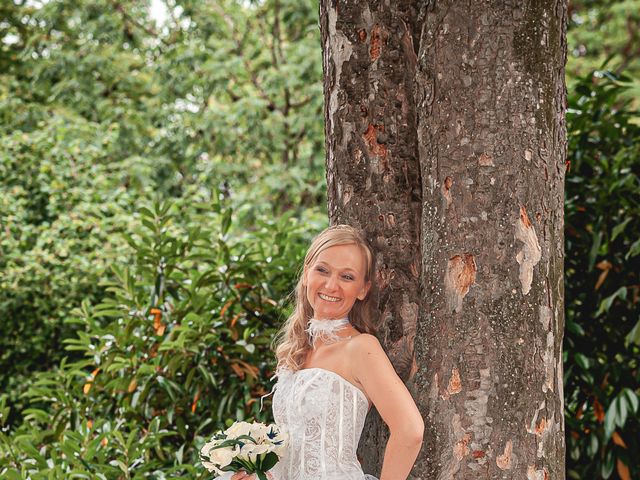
[(325, 330)]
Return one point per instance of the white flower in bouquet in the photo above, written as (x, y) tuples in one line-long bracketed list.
[(251, 452), (218, 457), (238, 429), (253, 447)]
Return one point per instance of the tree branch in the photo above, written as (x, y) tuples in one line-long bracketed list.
[(245, 61), (628, 52), (128, 18), (278, 56)]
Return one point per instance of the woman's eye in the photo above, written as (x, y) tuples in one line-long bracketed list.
[(348, 277), (320, 269)]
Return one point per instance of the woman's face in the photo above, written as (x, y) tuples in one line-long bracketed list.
[(335, 280)]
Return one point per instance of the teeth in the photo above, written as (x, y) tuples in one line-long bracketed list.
[(328, 298)]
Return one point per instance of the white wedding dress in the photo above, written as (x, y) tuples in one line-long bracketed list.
[(323, 415)]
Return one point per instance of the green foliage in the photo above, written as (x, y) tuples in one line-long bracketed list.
[(102, 110), (603, 32), (62, 201), (602, 284), (179, 344)]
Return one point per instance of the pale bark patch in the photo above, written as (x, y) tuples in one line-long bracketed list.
[(528, 155), (460, 275), (530, 254), (409, 315), (455, 384), (340, 49), (450, 459), (549, 364), (504, 460), (486, 160), (391, 219), (560, 381), (543, 430), (446, 190), (545, 316), (461, 449), (476, 407), (433, 392), (533, 474), (532, 427)]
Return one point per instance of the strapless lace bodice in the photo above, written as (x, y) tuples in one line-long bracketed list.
[(323, 414)]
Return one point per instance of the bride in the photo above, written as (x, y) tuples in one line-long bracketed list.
[(331, 370)]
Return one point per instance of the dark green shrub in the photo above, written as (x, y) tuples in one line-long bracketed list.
[(602, 266), (179, 345), (99, 114), (63, 203)]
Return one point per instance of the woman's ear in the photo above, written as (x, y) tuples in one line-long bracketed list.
[(365, 290)]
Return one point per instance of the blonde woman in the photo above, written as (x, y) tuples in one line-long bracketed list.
[(331, 369)]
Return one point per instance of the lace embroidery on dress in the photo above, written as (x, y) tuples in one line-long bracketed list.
[(324, 415)]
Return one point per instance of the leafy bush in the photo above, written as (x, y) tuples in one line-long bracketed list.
[(101, 111), (602, 285), (179, 344), (62, 203)]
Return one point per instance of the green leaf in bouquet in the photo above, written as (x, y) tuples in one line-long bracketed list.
[(239, 464), (269, 460), (246, 437)]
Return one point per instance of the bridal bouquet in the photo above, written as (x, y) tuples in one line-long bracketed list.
[(253, 447)]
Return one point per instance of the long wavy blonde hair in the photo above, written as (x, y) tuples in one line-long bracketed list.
[(291, 343)]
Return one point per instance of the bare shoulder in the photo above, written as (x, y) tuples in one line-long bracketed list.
[(363, 344), (366, 351)]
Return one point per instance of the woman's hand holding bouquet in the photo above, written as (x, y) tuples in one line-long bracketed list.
[(250, 447)]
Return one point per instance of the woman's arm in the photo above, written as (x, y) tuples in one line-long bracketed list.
[(371, 367), (399, 456)]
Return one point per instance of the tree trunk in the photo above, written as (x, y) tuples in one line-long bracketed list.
[(373, 175), (446, 143)]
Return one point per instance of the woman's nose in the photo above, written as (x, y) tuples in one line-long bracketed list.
[(331, 283)]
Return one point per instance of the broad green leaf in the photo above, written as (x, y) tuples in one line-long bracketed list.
[(618, 229), (634, 335), (605, 304)]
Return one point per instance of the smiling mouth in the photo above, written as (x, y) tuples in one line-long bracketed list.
[(328, 298)]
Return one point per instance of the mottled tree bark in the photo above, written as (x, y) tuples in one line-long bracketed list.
[(446, 143), (373, 175)]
